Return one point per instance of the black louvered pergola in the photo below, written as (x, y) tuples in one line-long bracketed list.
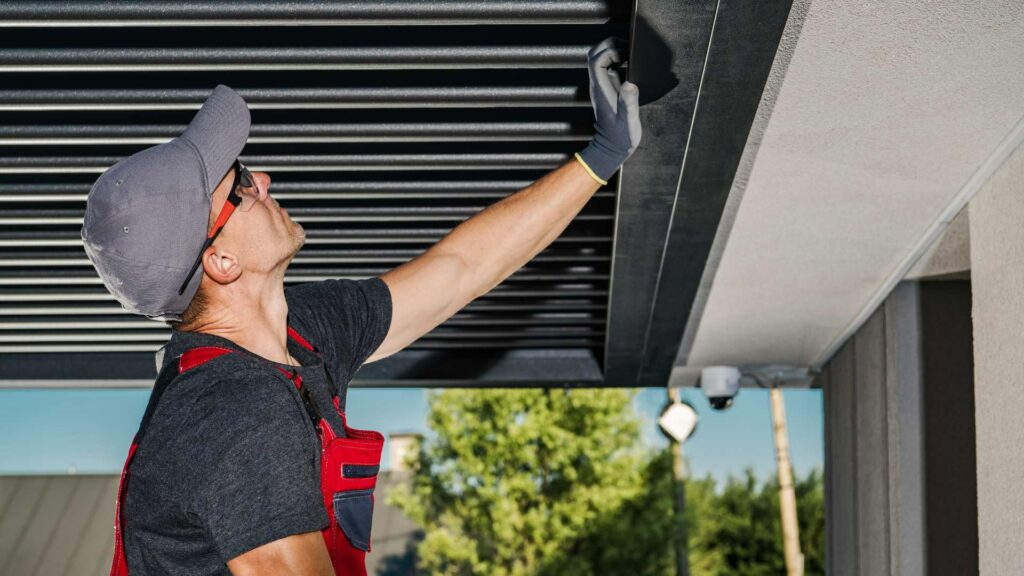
[(384, 125)]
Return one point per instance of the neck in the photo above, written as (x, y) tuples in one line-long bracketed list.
[(255, 320)]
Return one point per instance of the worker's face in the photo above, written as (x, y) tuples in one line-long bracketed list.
[(263, 238)]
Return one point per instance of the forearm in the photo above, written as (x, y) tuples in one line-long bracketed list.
[(508, 234)]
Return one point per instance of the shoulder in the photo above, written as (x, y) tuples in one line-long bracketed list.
[(229, 393), (346, 319), (231, 377), (371, 291)]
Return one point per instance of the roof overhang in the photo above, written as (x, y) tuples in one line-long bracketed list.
[(878, 126)]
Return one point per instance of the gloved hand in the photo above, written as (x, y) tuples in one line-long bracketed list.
[(617, 113)]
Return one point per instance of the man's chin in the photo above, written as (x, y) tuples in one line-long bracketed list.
[(299, 240)]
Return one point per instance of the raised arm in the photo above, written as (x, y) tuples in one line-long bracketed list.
[(481, 252)]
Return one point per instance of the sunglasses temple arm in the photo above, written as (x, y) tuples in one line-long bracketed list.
[(195, 265), (233, 200)]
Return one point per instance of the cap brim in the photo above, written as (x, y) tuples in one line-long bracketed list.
[(219, 132)]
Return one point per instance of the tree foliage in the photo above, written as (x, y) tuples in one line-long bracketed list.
[(739, 531), (556, 482)]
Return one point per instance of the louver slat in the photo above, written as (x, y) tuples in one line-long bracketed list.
[(293, 98), (291, 13)]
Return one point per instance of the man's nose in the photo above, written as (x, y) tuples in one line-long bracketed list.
[(263, 183)]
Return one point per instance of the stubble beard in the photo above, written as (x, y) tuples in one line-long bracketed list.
[(298, 237)]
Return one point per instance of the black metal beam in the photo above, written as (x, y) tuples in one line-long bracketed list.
[(669, 44), (500, 369), (674, 190), (408, 368), (69, 366), (743, 47)]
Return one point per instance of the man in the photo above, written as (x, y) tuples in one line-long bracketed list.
[(226, 479)]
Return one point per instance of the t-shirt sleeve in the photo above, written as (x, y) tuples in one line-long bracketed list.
[(256, 472), (345, 319)]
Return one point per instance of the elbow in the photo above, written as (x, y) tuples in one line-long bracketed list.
[(466, 283), (472, 271), (473, 281)]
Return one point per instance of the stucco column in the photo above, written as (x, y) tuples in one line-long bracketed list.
[(997, 278)]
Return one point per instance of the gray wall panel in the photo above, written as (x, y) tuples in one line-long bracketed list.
[(841, 525), (906, 465), (871, 445), (824, 382), (899, 439), (950, 454)]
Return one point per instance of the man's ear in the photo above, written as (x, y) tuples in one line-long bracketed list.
[(221, 266)]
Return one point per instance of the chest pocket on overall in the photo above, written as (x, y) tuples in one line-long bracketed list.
[(349, 464)]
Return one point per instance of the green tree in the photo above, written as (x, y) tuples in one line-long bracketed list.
[(518, 482), (739, 531), (556, 482), (810, 509)]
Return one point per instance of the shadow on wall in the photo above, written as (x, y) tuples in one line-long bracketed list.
[(653, 73)]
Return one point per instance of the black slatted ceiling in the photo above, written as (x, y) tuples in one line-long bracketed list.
[(383, 125)]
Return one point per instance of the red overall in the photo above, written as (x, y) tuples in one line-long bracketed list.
[(348, 473)]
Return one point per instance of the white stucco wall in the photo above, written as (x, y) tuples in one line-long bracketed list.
[(997, 279), (886, 111), (950, 256)]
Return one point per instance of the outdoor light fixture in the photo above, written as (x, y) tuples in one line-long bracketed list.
[(678, 420)]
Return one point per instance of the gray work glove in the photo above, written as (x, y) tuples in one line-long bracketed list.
[(617, 112)]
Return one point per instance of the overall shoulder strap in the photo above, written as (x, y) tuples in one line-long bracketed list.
[(309, 346), (305, 343), (311, 406)]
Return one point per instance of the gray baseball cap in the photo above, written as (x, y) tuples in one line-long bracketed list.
[(146, 217)]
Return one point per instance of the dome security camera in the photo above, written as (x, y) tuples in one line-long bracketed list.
[(720, 385)]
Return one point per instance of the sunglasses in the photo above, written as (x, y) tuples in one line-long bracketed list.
[(244, 194)]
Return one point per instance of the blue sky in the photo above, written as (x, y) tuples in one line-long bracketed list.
[(728, 442), (88, 431)]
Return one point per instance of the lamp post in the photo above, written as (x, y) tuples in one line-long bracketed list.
[(677, 421), (787, 495)]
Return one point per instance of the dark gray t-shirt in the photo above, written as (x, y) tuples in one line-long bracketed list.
[(230, 457)]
